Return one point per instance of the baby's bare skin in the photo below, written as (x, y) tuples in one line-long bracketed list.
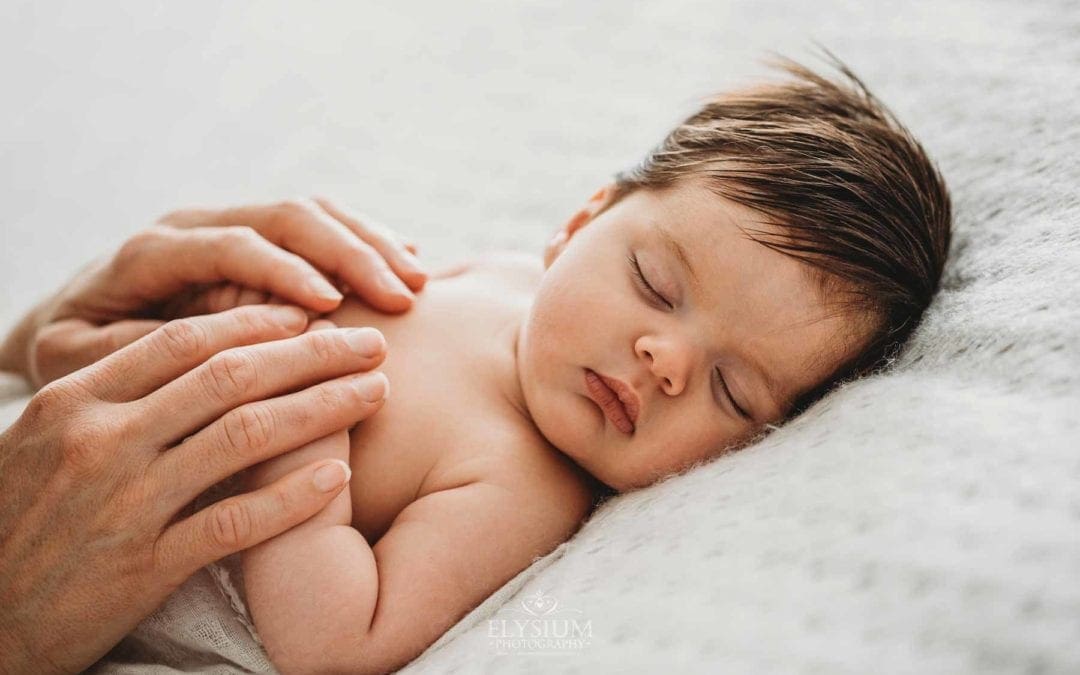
[(453, 491), (495, 439), (449, 421)]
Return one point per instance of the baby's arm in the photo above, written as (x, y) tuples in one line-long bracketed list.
[(325, 601), (303, 581)]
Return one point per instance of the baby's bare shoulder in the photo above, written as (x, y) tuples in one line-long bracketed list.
[(512, 266), (513, 262)]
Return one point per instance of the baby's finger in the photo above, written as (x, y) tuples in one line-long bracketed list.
[(240, 522)]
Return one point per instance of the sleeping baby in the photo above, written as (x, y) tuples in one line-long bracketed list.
[(782, 239)]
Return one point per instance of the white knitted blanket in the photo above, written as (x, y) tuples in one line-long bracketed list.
[(923, 521)]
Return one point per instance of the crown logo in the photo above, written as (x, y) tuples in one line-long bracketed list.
[(539, 604)]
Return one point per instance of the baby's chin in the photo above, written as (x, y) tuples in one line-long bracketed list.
[(590, 456)]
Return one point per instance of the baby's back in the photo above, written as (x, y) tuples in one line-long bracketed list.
[(449, 420)]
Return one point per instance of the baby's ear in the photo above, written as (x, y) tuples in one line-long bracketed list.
[(600, 199)]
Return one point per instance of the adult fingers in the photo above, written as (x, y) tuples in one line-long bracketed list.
[(398, 255), (214, 299), (304, 227), (237, 376), (260, 430), (65, 346), (164, 261), (175, 348), (239, 522)]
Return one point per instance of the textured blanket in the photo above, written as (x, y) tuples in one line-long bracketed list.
[(922, 521)]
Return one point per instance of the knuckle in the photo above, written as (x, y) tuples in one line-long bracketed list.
[(134, 247), (47, 349), (241, 235), (85, 446), (50, 401), (111, 341), (172, 217), (222, 298), (283, 501), (184, 339), (365, 251), (293, 204), (292, 209), (47, 342), (250, 320), (338, 396), (357, 247), (230, 525), (248, 429), (231, 374), (327, 347)]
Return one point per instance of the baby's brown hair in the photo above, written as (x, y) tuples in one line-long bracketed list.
[(853, 194)]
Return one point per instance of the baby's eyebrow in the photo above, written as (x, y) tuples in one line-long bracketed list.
[(678, 251), (771, 385)]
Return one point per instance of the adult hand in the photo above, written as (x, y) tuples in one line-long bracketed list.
[(295, 250), (95, 473)]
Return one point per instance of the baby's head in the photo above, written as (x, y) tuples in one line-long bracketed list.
[(782, 239)]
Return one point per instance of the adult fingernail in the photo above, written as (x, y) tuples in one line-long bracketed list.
[(366, 341), (323, 289), (391, 283), (373, 389), (331, 475)]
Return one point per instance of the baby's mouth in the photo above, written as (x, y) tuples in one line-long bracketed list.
[(605, 397)]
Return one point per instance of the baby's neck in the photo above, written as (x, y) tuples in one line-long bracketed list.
[(511, 386)]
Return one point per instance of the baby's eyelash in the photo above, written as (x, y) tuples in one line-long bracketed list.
[(649, 290), (727, 392), (645, 284)]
